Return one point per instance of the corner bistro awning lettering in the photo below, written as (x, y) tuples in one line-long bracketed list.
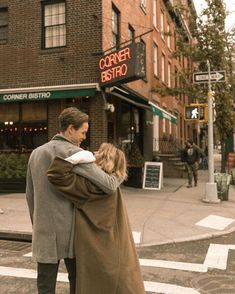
[(163, 113), (46, 93)]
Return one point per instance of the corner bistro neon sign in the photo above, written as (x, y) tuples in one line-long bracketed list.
[(124, 65)]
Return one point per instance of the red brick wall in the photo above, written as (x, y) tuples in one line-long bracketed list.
[(24, 63)]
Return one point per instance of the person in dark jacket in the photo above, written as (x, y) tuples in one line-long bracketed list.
[(191, 156)]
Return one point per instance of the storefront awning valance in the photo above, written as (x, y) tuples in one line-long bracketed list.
[(130, 96), (163, 113), (47, 93)]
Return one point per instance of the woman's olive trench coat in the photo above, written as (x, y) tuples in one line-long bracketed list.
[(107, 261)]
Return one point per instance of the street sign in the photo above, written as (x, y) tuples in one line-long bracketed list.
[(203, 77)]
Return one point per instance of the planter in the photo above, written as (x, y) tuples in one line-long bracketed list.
[(135, 177), (12, 185)]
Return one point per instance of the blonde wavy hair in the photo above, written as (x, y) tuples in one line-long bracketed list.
[(112, 160)]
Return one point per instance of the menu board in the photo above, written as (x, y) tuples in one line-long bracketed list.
[(152, 175)]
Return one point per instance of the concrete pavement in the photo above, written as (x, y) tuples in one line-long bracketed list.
[(173, 214)]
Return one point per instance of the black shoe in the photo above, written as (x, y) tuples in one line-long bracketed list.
[(189, 186), (195, 184)]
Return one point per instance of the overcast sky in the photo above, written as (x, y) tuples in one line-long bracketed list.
[(230, 6)]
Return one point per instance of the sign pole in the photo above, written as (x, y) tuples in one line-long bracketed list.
[(211, 186)]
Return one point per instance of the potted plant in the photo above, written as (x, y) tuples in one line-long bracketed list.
[(13, 169), (135, 163)]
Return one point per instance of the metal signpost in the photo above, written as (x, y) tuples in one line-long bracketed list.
[(209, 77)]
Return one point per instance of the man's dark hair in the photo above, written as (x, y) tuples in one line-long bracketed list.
[(72, 116)]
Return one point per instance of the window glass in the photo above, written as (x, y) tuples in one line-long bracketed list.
[(131, 33), (163, 68), (115, 26), (155, 59), (155, 13), (54, 25), (23, 126), (3, 23)]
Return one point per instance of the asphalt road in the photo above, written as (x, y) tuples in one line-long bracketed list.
[(172, 269)]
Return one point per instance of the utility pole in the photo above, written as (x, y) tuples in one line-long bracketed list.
[(211, 186)]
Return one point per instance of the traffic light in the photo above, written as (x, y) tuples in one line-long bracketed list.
[(203, 113), (191, 112), (196, 112)]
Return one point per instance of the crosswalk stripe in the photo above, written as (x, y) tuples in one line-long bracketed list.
[(217, 256), (63, 277), (168, 288), (193, 267)]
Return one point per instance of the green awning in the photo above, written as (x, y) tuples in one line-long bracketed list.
[(162, 113), (45, 95)]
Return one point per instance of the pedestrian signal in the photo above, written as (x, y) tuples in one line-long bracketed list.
[(197, 112), (191, 112)]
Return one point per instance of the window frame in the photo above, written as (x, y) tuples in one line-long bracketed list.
[(155, 60), (117, 33), (131, 33), (163, 67), (43, 29), (4, 9), (155, 13)]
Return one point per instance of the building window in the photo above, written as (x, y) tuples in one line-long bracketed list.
[(164, 126), (163, 68), (3, 24), (54, 25), (155, 59), (143, 5), (115, 27), (162, 25), (155, 13), (169, 75), (131, 33), (168, 36), (23, 126)]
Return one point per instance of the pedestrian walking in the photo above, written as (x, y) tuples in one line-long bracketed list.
[(107, 261), (52, 215), (191, 155)]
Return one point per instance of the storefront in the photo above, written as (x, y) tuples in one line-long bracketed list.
[(26, 115)]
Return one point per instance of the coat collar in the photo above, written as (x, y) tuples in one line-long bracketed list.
[(60, 137)]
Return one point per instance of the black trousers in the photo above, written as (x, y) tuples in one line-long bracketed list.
[(47, 275)]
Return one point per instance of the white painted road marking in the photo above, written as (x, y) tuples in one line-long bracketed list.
[(168, 288), (136, 237), (193, 267), (217, 256), (215, 222), (63, 277)]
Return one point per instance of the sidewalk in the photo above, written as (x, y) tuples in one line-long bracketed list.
[(159, 217)]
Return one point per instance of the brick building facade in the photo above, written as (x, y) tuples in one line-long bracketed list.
[(49, 56)]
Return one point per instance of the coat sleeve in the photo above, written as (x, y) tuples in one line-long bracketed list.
[(29, 193), (91, 171), (74, 187)]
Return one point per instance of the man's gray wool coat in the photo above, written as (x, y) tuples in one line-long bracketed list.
[(52, 215)]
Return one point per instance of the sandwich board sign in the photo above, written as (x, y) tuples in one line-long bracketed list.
[(153, 175)]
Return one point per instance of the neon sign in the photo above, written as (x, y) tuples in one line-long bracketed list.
[(124, 65)]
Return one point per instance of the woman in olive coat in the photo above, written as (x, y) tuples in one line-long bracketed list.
[(107, 262)]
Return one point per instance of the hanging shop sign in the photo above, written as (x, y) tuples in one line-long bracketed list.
[(124, 65)]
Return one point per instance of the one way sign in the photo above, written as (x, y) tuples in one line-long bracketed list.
[(203, 77)]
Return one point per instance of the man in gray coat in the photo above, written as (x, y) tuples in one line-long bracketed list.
[(52, 215)]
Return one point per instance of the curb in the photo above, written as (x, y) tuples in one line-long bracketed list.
[(16, 236)]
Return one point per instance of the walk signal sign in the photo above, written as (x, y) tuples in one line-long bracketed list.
[(196, 112)]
